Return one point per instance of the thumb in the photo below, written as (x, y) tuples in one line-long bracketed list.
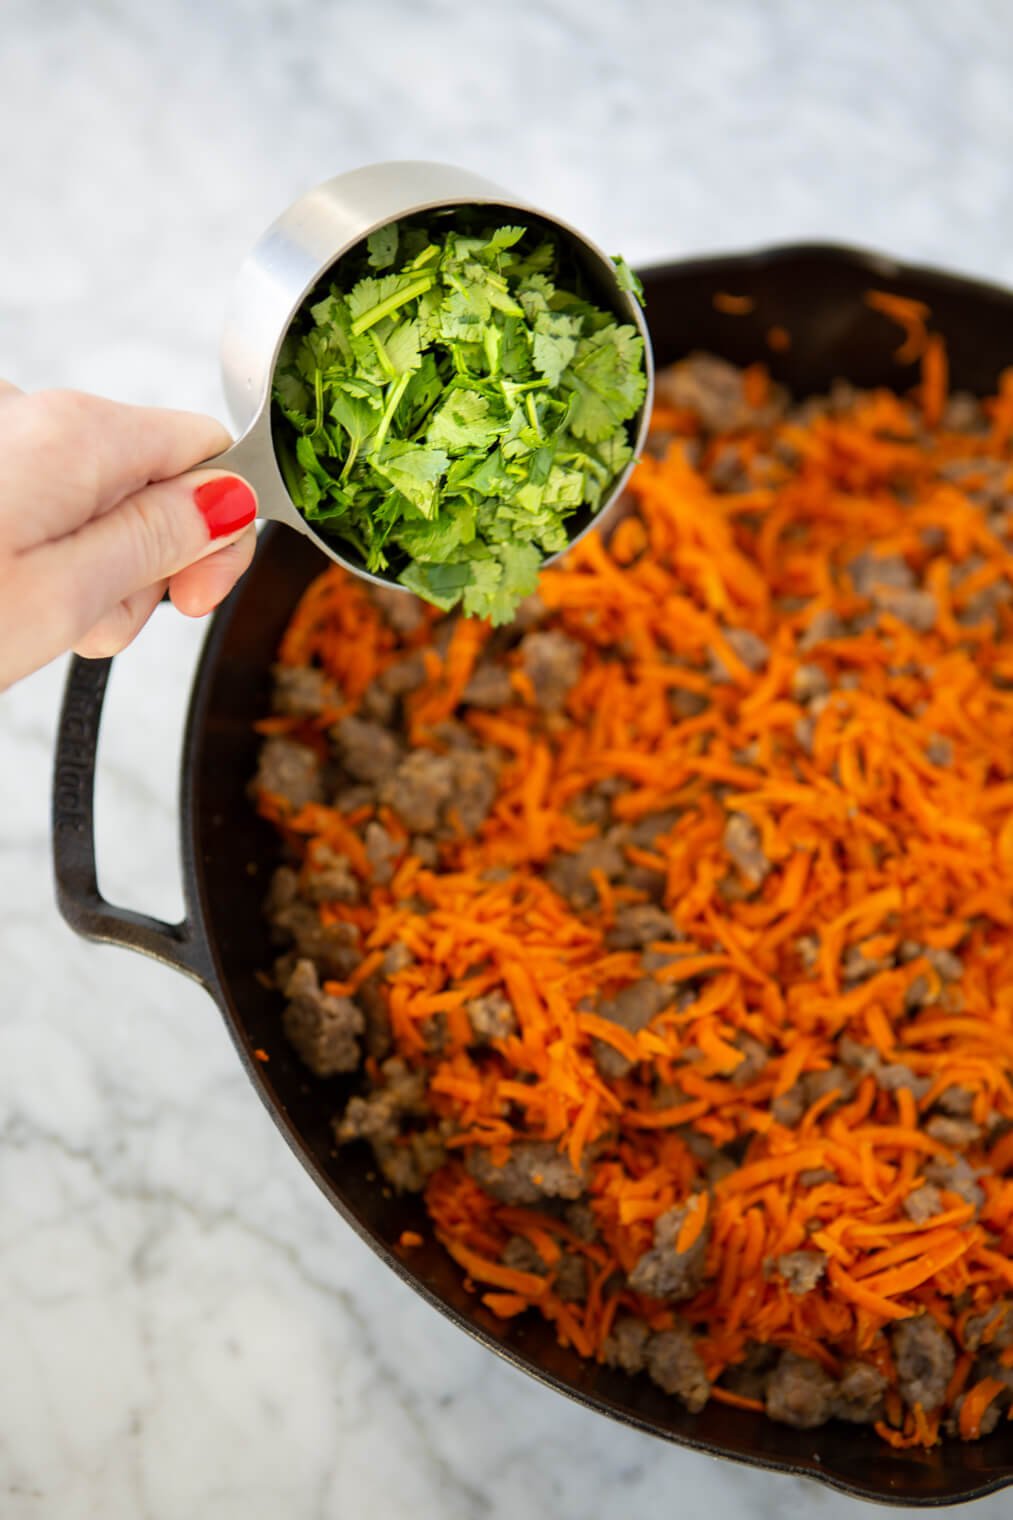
[(145, 538)]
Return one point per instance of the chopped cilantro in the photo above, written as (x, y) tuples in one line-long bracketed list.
[(450, 400)]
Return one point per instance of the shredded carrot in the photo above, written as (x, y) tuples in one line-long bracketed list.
[(409, 1239), (732, 305), (975, 1405), (732, 935), (908, 314)]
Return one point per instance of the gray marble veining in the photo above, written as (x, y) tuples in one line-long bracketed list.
[(185, 1327)]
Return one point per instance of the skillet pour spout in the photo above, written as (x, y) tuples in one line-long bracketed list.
[(817, 294)]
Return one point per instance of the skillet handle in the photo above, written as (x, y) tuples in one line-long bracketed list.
[(78, 898)]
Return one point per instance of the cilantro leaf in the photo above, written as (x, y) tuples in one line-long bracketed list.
[(464, 421), (382, 245), (627, 279), (413, 470)]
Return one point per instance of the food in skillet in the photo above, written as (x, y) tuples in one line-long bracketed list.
[(670, 926), (451, 401)]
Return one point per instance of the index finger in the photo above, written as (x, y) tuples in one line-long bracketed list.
[(74, 456)]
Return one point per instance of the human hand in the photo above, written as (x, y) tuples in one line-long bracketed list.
[(97, 519)]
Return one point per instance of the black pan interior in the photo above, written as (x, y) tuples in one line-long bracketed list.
[(816, 293)]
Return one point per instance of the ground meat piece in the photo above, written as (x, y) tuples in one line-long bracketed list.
[(405, 613), (826, 624), (521, 1255), (956, 1177), (673, 1362), (419, 789), (282, 892), (330, 878), (427, 789), (403, 676), (872, 573), (378, 704), (334, 947), (408, 1163), (989, 1420), (802, 1270), (302, 691), (800, 1393), (956, 1101), (552, 663), (750, 648), (570, 1282), (859, 1394), (993, 1328), (715, 391), (474, 780), (626, 1347), (924, 1203), (380, 1115), (289, 770), (580, 1218), (918, 609), (939, 750), (815, 1176), (426, 850), (368, 751), (489, 686), (371, 1000), (963, 413), (808, 948), (856, 966), (956, 1133), (809, 681), (945, 964), (688, 704), (396, 958), (663, 1271), (749, 1378), (534, 1170), (325, 1030), (816, 1084), (865, 1058), (742, 844), (381, 851), (756, 1057), (491, 1016), (637, 924), (570, 874), (925, 1357), (633, 1008), (896, 1076), (789, 1107)]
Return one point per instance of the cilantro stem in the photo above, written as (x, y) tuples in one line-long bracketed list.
[(529, 407), (394, 395), (382, 355), (393, 303)]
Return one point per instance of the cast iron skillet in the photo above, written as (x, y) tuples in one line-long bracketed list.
[(816, 292)]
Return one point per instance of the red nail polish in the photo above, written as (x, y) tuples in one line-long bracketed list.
[(227, 504)]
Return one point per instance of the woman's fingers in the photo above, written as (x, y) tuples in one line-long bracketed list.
[(146, 538), (199, 588), (70, 457), (121, 624)]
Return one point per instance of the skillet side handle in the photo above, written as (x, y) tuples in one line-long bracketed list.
[(78, 898)]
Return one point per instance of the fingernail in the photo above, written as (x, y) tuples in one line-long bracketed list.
[(226, 504)]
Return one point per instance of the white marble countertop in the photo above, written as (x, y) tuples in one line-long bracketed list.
[(186, 1329)]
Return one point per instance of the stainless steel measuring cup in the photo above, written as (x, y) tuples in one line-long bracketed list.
[(296, 252)]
